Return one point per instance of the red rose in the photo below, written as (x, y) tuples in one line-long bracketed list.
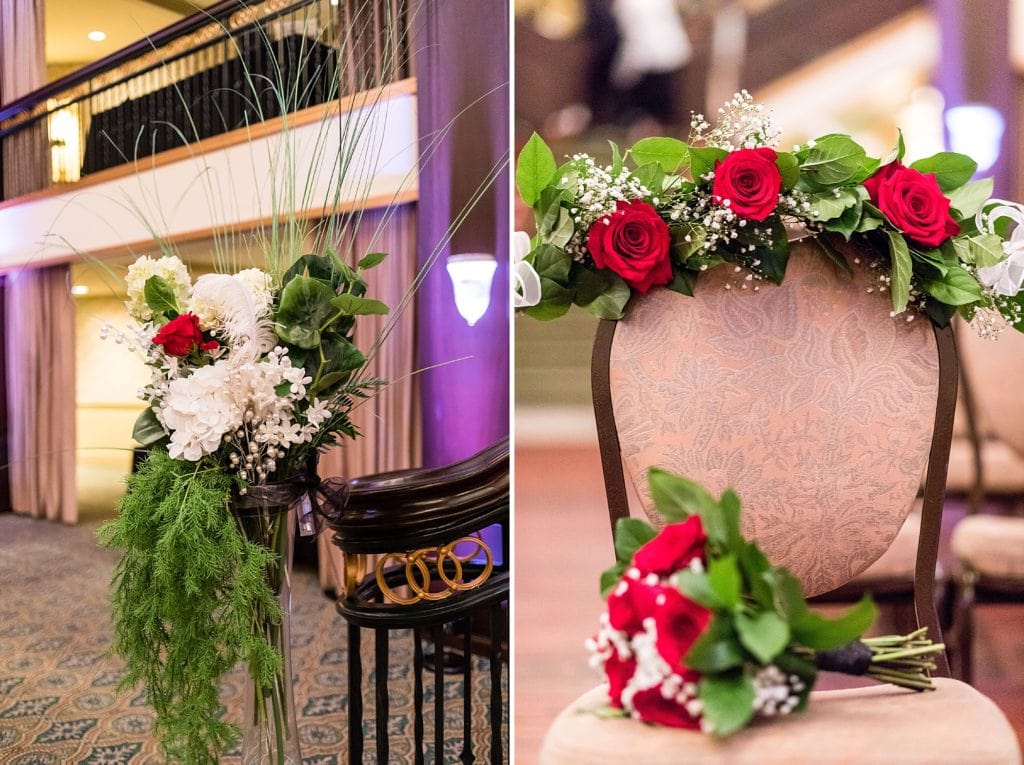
[(653, 707), (750, 180), (678, 621), (675, 546), (630, 603), (634, 243), (180, 336), (913, 203), (619, 672)]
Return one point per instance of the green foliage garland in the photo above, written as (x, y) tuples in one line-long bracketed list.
[(184, 595)]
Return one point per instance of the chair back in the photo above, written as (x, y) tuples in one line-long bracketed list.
[(811, 401)]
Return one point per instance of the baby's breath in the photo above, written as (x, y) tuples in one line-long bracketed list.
[(598, 192), (741, 124)]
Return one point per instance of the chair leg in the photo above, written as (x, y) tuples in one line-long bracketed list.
[(497, 630), (467, 756), (355, 697), (964, 630), (382, 709), (438, 638), (417, 693)]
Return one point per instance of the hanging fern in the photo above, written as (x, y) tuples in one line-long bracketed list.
[(184, 598)]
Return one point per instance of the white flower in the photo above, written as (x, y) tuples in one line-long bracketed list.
[(235, 313), (261, 285), (199, 410), (527, 286), (170, 269), (1006, 276)]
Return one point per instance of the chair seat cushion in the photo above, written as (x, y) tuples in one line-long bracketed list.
[(875, 725), (1002, 465), (992, 544)]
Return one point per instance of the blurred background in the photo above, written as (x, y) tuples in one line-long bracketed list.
[(949, 73)]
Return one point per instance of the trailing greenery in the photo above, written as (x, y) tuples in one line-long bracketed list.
[(184, 595)]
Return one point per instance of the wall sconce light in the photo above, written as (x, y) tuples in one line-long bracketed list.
[(472, 274), (977, 131), (65, 144)]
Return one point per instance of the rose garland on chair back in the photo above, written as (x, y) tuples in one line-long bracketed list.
[(665, 211), (703, 632), (250, 379)]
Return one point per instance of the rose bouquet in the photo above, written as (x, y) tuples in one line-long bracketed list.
[(666, 210), (703, 632), (251, 376)]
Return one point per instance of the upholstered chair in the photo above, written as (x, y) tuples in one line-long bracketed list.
[(990, 548), (822, 412)]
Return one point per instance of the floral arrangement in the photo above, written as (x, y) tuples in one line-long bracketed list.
[(251, 376), (703, 632), (667, 210)]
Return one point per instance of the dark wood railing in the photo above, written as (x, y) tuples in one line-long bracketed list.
[(232, 65)]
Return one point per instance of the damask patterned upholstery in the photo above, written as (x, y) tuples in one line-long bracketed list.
[(807, 398)]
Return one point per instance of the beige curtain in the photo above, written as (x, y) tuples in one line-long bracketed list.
[(39, 328), (386, 420), (26, 153)]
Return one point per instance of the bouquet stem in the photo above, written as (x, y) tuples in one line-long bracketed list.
[(902, 660)]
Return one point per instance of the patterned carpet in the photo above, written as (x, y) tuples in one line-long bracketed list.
[(57, 684)]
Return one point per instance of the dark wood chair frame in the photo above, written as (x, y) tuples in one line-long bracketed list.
[(935, 479), (411, 510), (970, 586)]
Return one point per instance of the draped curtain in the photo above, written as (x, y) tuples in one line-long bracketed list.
[(26, 153), (39, 331), (386, 420)]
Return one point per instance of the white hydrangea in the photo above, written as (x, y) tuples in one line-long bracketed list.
[(170, 269), (261, 285), (199, 410)]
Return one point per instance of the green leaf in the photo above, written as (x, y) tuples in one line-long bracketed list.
[(697, 588), (950, 169), (147, 429), (682, 281), (896, 155), (370, 260), (601, 293), (283, 389), (305, 305), (326, 269), (789, 169), (731, 508), (847, 223), (651, 177), (833, 254), (902, 268), (868, 167), (754, 565), (775, 258), (833, 160), (957, 287), (765, 634), (717, 649), (350, 305), (678, 498), (728, 702), (682, 249), (535, 169), (724, 578), (630, 535), (551, 262), (548, 210), (669, 153), (563, 230), (160, 297), (970, 198), (789, 594), (703, 159), (822, 634), (827, 205), (611, 577), (871, 219), (983, 250), (616, 159), (555, 300)]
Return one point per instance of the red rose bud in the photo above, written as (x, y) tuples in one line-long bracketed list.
[(630, 603), (182, 335), (619, 672), (913, 203), (679, 621), (652, 706), (676, 545), (634, 243), (750, 181)]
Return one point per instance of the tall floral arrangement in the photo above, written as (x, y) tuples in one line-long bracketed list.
[(666, 210)]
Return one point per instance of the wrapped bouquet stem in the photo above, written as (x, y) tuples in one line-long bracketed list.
[(703, 632)]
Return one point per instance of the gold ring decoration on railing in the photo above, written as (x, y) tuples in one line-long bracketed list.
[(419, 578)]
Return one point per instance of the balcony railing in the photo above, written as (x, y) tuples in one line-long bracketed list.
[(234, 65)]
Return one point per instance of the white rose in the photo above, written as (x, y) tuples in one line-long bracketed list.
[(170, 269)]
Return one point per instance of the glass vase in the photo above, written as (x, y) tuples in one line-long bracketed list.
[(269, 731)]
